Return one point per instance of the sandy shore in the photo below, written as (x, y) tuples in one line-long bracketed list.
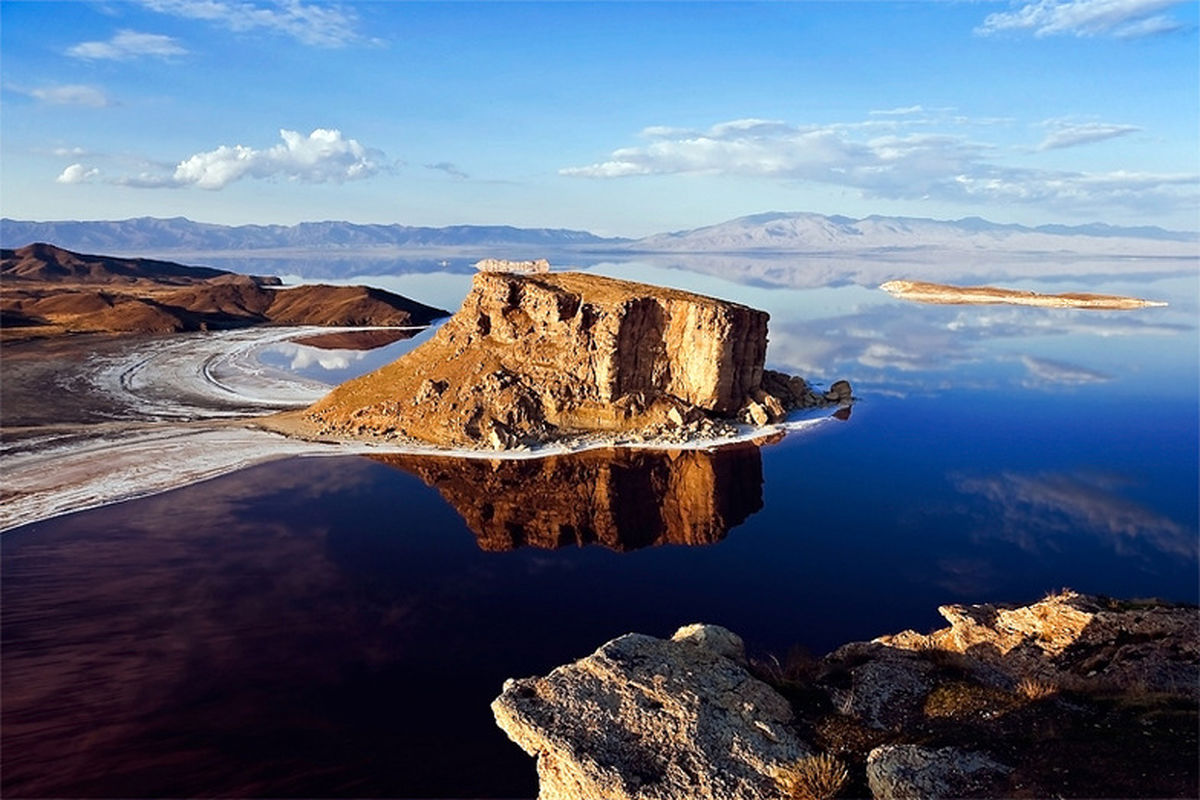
[(941, 293)]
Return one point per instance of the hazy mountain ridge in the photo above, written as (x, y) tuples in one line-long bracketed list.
[(143, 234), (817, 233), (772, 232)]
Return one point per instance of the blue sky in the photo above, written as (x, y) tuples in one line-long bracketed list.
[(620, 118)]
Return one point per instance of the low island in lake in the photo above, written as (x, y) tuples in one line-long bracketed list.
[(945, 294)]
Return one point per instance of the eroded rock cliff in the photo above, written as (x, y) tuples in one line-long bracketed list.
[(531, 357)]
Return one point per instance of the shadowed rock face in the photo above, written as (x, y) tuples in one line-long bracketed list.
[(621, 499), (529, 357)]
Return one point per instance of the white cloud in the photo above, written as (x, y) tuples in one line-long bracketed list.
[(918, 165), (127, 44), (324, 156), (897, 112), (309, 23), (1064, 133), (71, 95), (77, 173), (1120, 18)]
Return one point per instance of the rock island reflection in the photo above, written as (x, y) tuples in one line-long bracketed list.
[(619, 498)]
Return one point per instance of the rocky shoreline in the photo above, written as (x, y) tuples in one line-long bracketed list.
[(1072, 696)]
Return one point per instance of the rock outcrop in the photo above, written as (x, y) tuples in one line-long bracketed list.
[(1069, 638), (533, 357), (1075, 695), (653, 719), (620, 499)]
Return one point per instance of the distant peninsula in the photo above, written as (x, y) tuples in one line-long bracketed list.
[(945, 294), (48, 291)]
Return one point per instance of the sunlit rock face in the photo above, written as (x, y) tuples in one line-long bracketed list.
[(620, 499), (529, 357)]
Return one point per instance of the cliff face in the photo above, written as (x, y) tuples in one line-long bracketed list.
[(531, 356), (620, 499)]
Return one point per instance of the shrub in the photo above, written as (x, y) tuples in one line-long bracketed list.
[(813, 778)]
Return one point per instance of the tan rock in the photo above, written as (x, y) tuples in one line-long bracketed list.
[(502, 265), (653, 719)]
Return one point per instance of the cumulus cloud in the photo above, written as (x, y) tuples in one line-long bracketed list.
[(934, 164), (71, 95), (324, 156), (127, 44), (1064, 133), (448, 168), (320, 25), (77, 173), (1126, 19)]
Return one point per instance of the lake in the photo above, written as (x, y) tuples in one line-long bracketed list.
[(337, 626)]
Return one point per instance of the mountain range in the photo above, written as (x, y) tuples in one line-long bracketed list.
[(775, 232)]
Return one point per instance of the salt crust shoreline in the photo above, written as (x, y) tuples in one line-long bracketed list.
[(211, 424)]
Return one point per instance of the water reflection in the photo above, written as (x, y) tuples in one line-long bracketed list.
[(357, 340), (621, 499)]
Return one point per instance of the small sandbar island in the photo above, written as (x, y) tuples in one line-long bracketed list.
[(945, 294), (541, 357)]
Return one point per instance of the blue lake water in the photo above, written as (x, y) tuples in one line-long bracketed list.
[(338, 626)]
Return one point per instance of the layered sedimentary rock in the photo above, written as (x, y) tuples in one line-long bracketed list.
[(620, 499), (529, 357), (653, 719)]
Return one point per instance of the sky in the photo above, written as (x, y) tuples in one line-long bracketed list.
[(618, 118)]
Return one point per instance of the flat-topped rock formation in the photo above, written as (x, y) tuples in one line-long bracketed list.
[(620, 499), (945, 294), (49, 290), (532, 357)]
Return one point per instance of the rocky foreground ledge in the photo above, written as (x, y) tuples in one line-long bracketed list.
[(1073, 696), (530, 358)]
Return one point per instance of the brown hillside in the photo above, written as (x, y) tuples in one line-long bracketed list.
[(47, 263)]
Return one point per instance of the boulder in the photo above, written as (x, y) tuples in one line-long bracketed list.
[(912, 772), (654, 719)]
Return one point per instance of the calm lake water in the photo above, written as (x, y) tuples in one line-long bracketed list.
[(336, 627)]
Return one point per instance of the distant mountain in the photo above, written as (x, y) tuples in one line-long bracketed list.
[(177, 234), (780, 232), (760, 234)]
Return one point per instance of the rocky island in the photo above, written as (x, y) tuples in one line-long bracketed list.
[(536, 357), (1072, 696)]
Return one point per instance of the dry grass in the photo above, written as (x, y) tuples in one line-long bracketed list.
[(813, 778), (1033, 689)]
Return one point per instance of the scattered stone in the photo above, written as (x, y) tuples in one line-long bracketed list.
[(653, 719), (839, 392), (911, 772)]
